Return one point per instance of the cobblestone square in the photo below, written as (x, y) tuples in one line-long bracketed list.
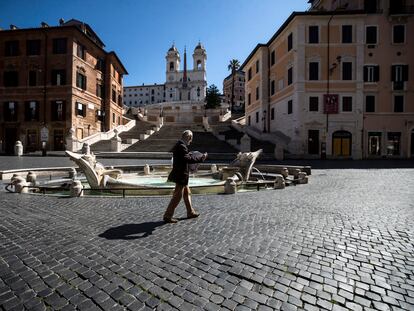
[(345, 241)]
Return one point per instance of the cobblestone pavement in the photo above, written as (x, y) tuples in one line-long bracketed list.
[(343, 242)]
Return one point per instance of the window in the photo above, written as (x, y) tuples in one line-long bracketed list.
[(290, 106), (249, 119), (32, 78), (313, 34), (347, 104), (313, 71), (80, 51), (272, 58), (313, 103), (398, 103), (371, 6), (249, 74), (393, 143), (399, 74), (80, 109), (346, 71), (32, 47), (10, 111), (290, 75), (371, 35), (171, 66), (100, 90), (257, 116), (371, 73), (58, 77), (11, 78), (346, 33), (272, 114), (113, 117), (272, 87), (113, 95), (58, 110), (257, 93), (81, 80), (31, 111), (290, 41), (100, 64), (257, 66), (398, 34), (249, 99), (59, 46), (370, 103), (11, 48)]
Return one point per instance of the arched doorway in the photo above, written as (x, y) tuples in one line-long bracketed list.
[(341, 144)]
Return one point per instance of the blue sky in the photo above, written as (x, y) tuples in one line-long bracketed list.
[(142, 31)]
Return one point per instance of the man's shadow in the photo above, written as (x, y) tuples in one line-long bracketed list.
[(131, 231)]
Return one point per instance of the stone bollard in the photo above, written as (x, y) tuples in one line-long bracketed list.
[(20, 185), (31, 178), (76, 189), (279, 182), (147, 169), (302, 178), (296, 172), (213, 168), (116, 142), (72, 173), (230, 186), (285, 172), (18, 148)]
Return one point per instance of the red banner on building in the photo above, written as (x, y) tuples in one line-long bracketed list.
[(331, 102)]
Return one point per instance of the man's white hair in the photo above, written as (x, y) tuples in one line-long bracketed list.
[(187, 134)]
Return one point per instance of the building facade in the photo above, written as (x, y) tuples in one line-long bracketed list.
[(142, 95), (54, 79), (337, 80), (181, 85), (238, 89)]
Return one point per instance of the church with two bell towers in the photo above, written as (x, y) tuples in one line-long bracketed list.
[(185, 84)]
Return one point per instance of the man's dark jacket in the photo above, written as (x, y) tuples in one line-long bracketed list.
[(181, 158)]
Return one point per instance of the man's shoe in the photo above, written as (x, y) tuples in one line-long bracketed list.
[(193, 215), (170, 220)]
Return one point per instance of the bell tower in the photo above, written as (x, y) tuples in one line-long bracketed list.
[(173, 60), (199, 58)]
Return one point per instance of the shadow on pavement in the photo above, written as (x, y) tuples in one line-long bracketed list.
[(131, 231)]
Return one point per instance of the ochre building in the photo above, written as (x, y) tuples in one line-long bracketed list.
[(54, 79), (338, 80)]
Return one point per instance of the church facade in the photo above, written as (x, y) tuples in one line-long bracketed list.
[(181, 85)]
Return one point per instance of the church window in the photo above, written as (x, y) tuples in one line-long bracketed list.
[(171, 66), (199, 65)]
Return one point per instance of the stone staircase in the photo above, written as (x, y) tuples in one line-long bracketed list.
[(229, 132), (166, 137), (130, 137)]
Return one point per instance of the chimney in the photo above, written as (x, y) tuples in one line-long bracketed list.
[(44, 25), (13, 27), (61, 21)]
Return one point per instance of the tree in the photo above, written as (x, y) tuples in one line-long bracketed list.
[(234, 65), (212, 97)]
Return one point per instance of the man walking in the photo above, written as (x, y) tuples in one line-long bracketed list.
[(180, 174)]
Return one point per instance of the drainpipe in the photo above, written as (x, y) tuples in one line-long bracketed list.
[(327, 78)]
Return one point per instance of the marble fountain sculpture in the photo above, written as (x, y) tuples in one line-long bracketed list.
[(240, 175), (213, 180)]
